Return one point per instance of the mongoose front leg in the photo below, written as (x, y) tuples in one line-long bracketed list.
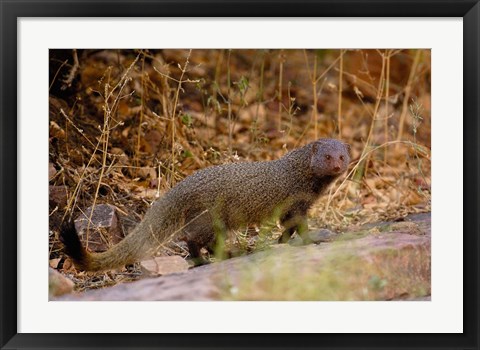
[(294, 222), (199, 232), (302, 229), (217, 247)]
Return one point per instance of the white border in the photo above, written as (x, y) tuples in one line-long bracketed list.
[(442, 314)]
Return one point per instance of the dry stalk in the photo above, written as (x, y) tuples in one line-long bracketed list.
[(315, 97), (69, 79), (291, 110), (368, 153), (387, 91), (174, 112), (229, 105), (340, 89), (56, 73), (280, 87), (259, 99), (362, 168), (69, 207), (161, 244), (218, 71), (80, 131), (330, 66), (108, 110), (314, 80), (408, 91), (362, 159), (142, 106)]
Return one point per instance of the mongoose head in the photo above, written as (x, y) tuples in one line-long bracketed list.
[(329, 157)]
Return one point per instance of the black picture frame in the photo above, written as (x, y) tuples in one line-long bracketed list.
[(11, 10)]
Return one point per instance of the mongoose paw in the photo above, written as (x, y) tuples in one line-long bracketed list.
[(315, 237), (199, 261), (296, 241), (285, 237)]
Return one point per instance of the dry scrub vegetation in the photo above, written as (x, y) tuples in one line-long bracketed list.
[(127, 125)]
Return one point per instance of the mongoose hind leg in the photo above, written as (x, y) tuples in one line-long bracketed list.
[(199, 233), (195, 254)]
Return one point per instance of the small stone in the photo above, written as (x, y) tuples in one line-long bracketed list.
[(318, 236), (51, 171), (54, 263), (146, 173), (58, 196), (407, 227), (164, 265), (104, 229), (322, 235), (68, 265), (58, 284), (153, 140)]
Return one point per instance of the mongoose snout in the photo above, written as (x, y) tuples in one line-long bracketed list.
[(336, 165)]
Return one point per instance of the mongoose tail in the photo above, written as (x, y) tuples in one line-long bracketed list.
[(138, 244), (123, 253)]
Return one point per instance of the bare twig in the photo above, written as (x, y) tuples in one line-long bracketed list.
[(340, 90), (73, 72), (56, 73), (408, 91)]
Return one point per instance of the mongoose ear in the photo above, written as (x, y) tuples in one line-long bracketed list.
[(347, 146), (316, 145)]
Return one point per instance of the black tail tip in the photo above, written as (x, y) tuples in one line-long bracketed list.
[(71, 241)]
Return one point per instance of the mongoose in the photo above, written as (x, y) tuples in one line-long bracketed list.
[(226, 197)]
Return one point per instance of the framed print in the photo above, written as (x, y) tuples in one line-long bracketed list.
[(248, 175)]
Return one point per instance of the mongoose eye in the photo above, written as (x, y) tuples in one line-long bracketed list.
[(328, 157), (342, 158)]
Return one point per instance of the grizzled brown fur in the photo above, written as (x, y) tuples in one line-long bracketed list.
[(226, 197)]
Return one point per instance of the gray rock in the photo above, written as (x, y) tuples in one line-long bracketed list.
[(104, 229), (386, 266), (58, 284), (164, 265)]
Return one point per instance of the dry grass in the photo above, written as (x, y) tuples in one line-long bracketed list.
[(135, 122)]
